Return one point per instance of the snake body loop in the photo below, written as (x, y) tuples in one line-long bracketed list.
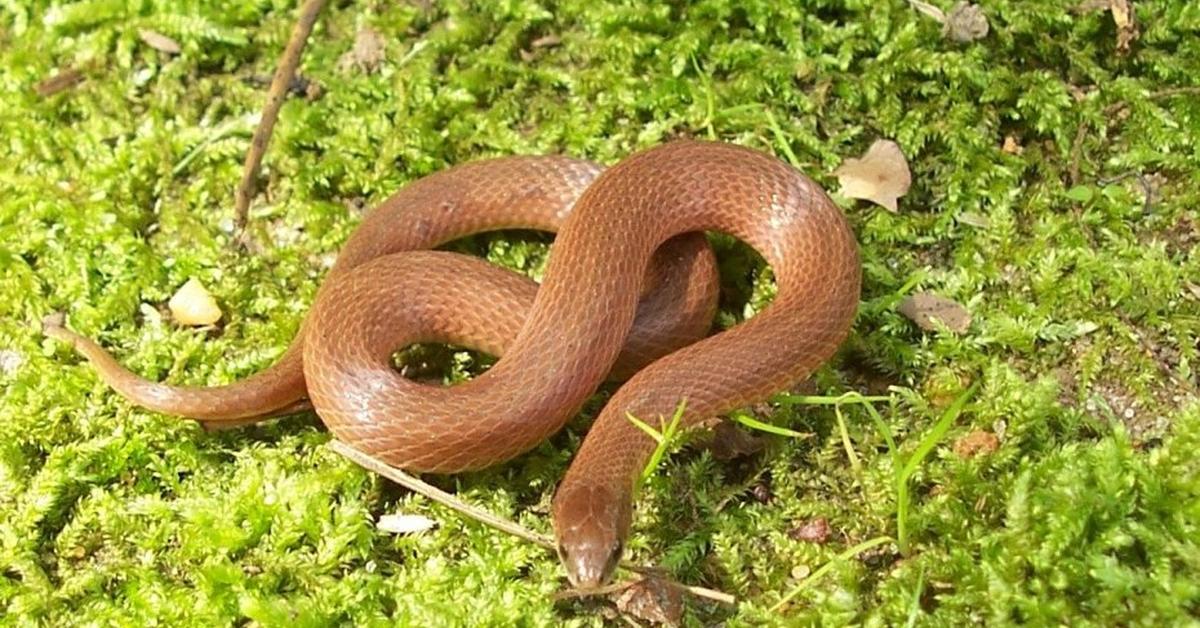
[(626, 236)]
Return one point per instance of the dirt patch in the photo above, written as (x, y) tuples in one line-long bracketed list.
[(977, 443), (1183, 236), (1143, 423)]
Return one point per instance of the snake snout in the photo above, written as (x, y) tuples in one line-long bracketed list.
[(591, 526), (590, 565)]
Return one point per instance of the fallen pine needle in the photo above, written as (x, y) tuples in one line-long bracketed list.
[(816, 575)]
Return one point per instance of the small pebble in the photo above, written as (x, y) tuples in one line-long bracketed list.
[(814, 531), (193, 305), (10, 361)]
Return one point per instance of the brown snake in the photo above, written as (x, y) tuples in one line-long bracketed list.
[(617, 242)]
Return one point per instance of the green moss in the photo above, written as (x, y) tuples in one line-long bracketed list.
[(1085, 310)]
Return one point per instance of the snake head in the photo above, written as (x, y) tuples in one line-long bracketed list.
[(590, 523)]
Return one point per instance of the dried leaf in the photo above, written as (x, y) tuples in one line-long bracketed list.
[(965, 22), (1194, 289), (54, 319), (928, 310), (160, 42), (975, 220), (976, 444), (1000, 427), (652, 599), (880, 176), (193, 305), (813, 531), (368, 52), (1011, 146), (546, 41), (313, 91), (1123, 17), (65, 79), (405, 524), (1079, 93), (762, 491), (729, 442), (929, 9)]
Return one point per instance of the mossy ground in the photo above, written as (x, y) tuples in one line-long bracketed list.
[(1086, 310)]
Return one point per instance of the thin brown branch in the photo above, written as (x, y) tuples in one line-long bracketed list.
[(421, 487), (416, 485), (275, 97), (1143, 181), (1174, 91), (64, 80), (711, 594), (616, 587), (1077, 152), (573, 594)]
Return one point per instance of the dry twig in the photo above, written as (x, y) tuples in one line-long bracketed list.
[(275, 97), (416, 485)]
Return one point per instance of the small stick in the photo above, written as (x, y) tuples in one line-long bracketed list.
[(275, 98), (711, 594), (570, 594), (1174, 91), (1077, 152), (65, 79), (717, 596), (374, 465), (417, 485), (1147, 189)]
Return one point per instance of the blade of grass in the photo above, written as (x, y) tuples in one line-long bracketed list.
[(910, 284), (915, 608), (816, 575), (420, 487), (855, 463), (664, 438), (754, 423), (935, 435), (641, 425), (827, 400), (882, 427), (928, 442), (243, 126), (782, 139), (709, 102), (844, 433)]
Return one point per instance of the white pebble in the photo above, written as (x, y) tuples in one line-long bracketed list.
[(405, 524), (193, 305)]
